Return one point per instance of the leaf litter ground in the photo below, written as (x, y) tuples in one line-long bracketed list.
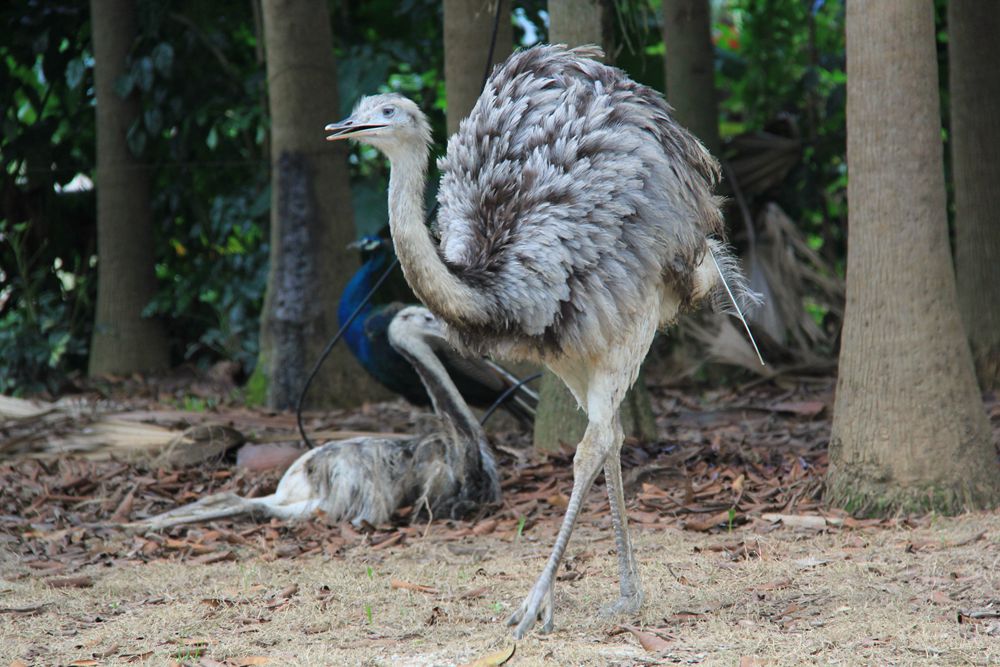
[(742, 564)]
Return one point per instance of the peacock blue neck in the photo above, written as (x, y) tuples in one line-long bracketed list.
[(357, 289)]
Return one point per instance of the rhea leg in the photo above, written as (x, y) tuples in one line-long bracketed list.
[(629, 583), (603, 394), (590, 456)]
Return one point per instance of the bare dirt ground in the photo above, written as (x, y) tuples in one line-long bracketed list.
[(741, 562)]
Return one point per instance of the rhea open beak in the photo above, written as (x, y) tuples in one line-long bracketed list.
[(348, 129)]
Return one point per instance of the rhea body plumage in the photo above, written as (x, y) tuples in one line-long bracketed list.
[(481, 382), (576, 218), (450, 472)]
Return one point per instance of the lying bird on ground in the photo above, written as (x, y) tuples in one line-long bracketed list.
[(576, 218), (480, 381), (449, 472)]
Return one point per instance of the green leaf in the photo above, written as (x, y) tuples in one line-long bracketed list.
[(153, 118), (74, 73), (212, 140), (143, 72), (163, 58)]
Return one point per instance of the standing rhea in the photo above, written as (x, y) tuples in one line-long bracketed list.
[(450, 472), (575, 221)]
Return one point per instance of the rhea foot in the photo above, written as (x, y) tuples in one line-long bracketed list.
[(624, 605), (537, 606)]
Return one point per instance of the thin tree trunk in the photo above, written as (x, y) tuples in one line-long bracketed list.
[(559, 420), (468, 27), (909, 429), (690, 67), (975, 135), (311, 218), (123, 341)]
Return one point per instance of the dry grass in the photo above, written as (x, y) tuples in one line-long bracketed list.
[(786, 597)]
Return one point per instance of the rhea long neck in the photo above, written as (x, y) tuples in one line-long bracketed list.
[(432, 281), (448, 402)]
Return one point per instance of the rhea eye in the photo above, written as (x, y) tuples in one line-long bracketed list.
[(388, 111)]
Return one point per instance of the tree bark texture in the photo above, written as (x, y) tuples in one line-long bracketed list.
[(123, 340), (311, 217), (468, 28), (582, 22), (974, 82), (690, 68), (560, 421), (909, 429)]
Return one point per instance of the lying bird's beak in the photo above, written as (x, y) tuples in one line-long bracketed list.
[(348, 129)]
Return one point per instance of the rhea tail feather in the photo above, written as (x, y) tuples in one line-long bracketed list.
[(720, 278)]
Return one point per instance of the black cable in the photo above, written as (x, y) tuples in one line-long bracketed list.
[(493, 43), (505, 395), (378, 283), (329, 348)]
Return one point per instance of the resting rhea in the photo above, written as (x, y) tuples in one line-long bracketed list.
[(451, 471), (576, 218)]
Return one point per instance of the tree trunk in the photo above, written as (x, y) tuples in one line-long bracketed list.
[(468, 28), (690, 68), (123, 341), (311, 218), (909, 429), (975, 140), (559, 420)]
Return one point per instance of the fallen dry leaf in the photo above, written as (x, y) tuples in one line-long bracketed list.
[(804, 408), (921, 545), (650, 642), (797, 520), (705, 525), (124, 510), (82, 581), (214, 557), (484, 527), (251, 660), (29, 610), (395, 538), (940, 597), (494, 659), (473, 593), (419, 588), (752, 661), (773, 585)]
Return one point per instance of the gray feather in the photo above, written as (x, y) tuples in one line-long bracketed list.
[(567, 191)]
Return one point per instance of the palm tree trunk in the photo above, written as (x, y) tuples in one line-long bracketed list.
[(690, 67), (311, 217), (468, 27), (123, 341), (909, 429), (974, 82)]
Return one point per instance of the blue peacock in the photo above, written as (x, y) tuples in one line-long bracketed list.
[(480, 381)]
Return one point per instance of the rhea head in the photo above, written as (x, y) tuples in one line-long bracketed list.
[(389, 122)]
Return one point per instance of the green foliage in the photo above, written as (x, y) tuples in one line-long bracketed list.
[(383, 46), (46, 233), (781, 68), (203, 131), (44, 316)]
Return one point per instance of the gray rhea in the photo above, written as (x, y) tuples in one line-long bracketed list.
[(449, 472), (576, 218)]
